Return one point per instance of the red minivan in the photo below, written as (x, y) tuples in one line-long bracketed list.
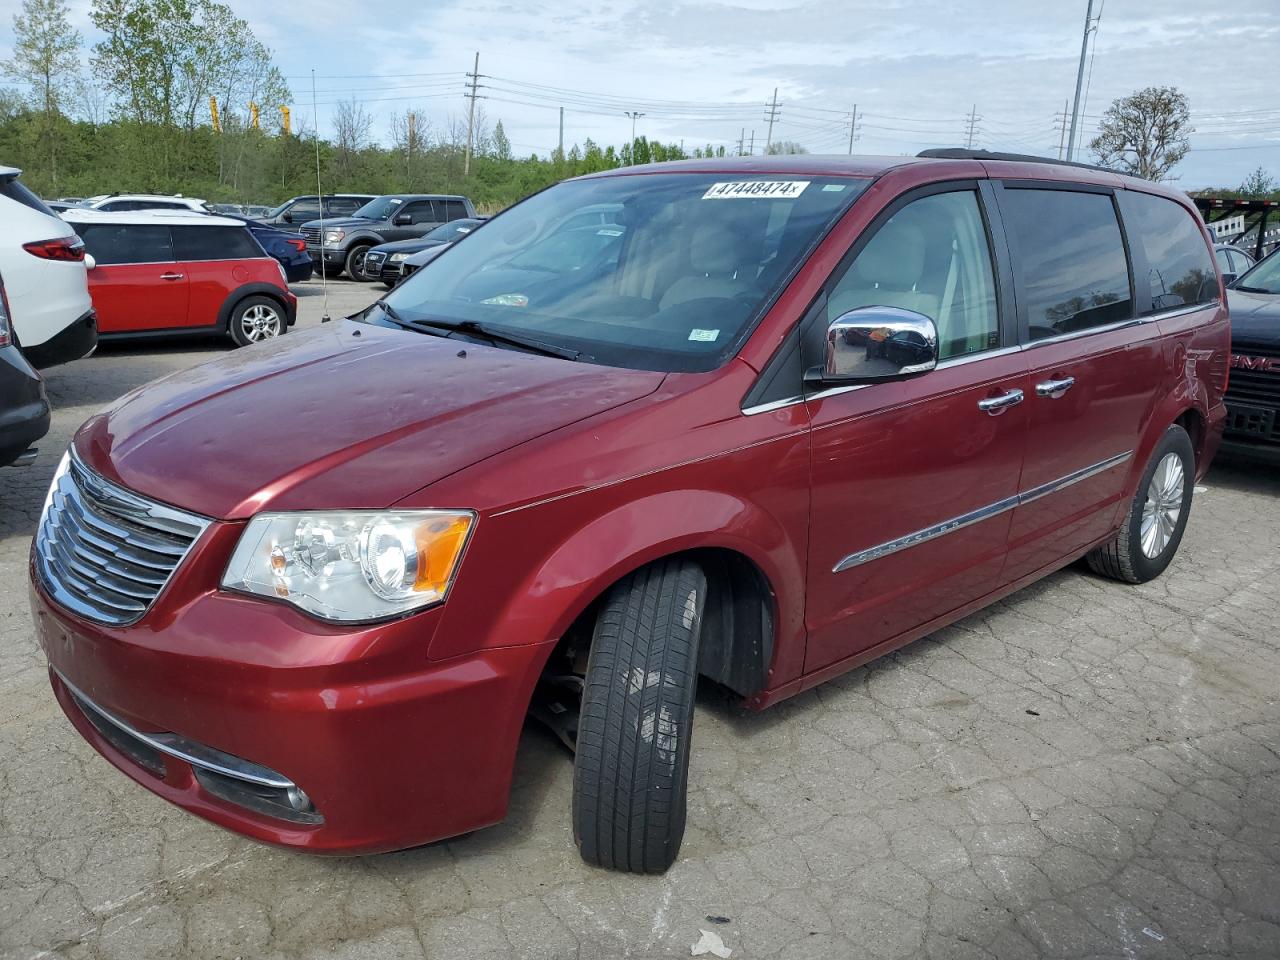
[(782, 416), (164, 273)]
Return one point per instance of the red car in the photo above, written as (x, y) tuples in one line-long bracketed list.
[(160, 273), (790, 414)]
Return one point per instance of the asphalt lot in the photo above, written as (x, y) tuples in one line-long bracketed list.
[(1085, 770)]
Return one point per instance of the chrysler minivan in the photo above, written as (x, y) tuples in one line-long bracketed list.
[(794, 413)]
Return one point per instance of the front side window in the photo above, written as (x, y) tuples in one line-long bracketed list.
[(120, 243), (305, 210), (420, 211), (213, 243), (674, 281), (1179, 268), (931, 257), (1075, 273)]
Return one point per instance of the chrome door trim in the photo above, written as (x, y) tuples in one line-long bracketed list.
[(977, 516)]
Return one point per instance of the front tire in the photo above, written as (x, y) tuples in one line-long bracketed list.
[(1147, 542), (254, 319), (631, 767), (354, 264)]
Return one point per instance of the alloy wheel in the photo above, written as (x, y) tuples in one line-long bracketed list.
[(1163, 505), (260, 322)]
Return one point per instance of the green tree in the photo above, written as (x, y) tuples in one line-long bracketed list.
[(1145, 134), (500, 146), (1258, 184), (46, 55)]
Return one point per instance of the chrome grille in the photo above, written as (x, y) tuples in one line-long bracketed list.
[(104, 552), (311, 234)]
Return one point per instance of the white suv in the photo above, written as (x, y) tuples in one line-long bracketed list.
[(42, 261), (124, 202)]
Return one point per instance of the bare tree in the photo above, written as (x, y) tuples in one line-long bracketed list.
[(352, 124), (411, 134), (1145, 134)]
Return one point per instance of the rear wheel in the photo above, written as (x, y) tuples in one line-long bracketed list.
[(632, 762), (256, 318), (1157, 517), (354, 264)]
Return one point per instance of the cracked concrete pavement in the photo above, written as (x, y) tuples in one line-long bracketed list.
[(1085, 770)]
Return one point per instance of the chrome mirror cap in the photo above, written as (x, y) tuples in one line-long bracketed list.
[(872, 344)]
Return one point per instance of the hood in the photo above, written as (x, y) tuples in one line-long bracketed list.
[(430, 253), (405, 246), (347, 416), (343, 223), (1255, 317)]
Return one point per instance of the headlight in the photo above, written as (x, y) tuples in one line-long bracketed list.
[(398, 257), (364, 565), (335, 236)]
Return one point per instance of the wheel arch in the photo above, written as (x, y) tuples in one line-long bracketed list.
[(237, 296)]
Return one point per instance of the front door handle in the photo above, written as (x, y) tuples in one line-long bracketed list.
[(170, 276), (998, 405), (1054, 389)]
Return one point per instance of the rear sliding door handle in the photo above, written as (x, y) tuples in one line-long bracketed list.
[(170, 276), (1053, 389), (997, 405)]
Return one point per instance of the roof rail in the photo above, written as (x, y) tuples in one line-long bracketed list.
[(960, 153)]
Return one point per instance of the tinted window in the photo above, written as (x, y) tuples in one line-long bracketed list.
[(305, 210), (455, 209), (126, 242), (1074, 271), (1179, 269), (344, 206), (1239, 262), (932, 257), (15, 191), (420, 211), (1224, 261), (213, 243)]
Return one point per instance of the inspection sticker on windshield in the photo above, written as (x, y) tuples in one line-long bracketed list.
[(704, 336), (756, 189)]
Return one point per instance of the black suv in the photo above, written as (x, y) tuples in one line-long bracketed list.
[(401, 216), (1253, 392), (293, 213), (24, 408)]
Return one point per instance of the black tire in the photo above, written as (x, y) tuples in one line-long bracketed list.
[(354, 264), (1125, 558), (631, 767), (247, 314)]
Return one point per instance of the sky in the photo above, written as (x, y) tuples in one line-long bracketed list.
[(703, 71)]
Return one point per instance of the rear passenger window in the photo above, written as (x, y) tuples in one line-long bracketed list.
[(1179, 268), (119, 243), (931, 257), (1075, 275), (214, 243), (455, 209)]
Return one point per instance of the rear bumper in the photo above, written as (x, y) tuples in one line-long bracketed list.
[(24, 409), (393, 750), (78, 340)]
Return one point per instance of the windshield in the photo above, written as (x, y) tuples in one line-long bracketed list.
[(449, 232), (1265, 276), (669, 272), (276, 211), (378, 208)]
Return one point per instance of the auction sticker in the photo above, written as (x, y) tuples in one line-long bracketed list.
[(756, 189)]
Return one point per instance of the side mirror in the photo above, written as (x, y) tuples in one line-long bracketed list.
[(1229, 278), (402, 220), (287, 217), (89, 262), (872, 344)]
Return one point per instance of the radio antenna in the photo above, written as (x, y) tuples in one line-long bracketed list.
[(315, 136)]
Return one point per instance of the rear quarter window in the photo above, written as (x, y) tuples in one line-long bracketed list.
[(1180, 269), (16, 192), (214, 243)]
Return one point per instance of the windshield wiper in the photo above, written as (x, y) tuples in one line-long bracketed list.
[(1253, 289), (477, 329)]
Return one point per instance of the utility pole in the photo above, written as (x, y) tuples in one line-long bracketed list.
[(771, 116), (751, 150), (742, 140), (973, 122), (853, 126), (1084, 48), (562, 134), (474, 77), (1062, 137), (634, 115)]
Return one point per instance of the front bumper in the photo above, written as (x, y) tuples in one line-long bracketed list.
[(392, 749), (333, 257), (24, 408)]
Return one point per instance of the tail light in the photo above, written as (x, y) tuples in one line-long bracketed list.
[(6, 333), (299, 245), (70, 249)]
